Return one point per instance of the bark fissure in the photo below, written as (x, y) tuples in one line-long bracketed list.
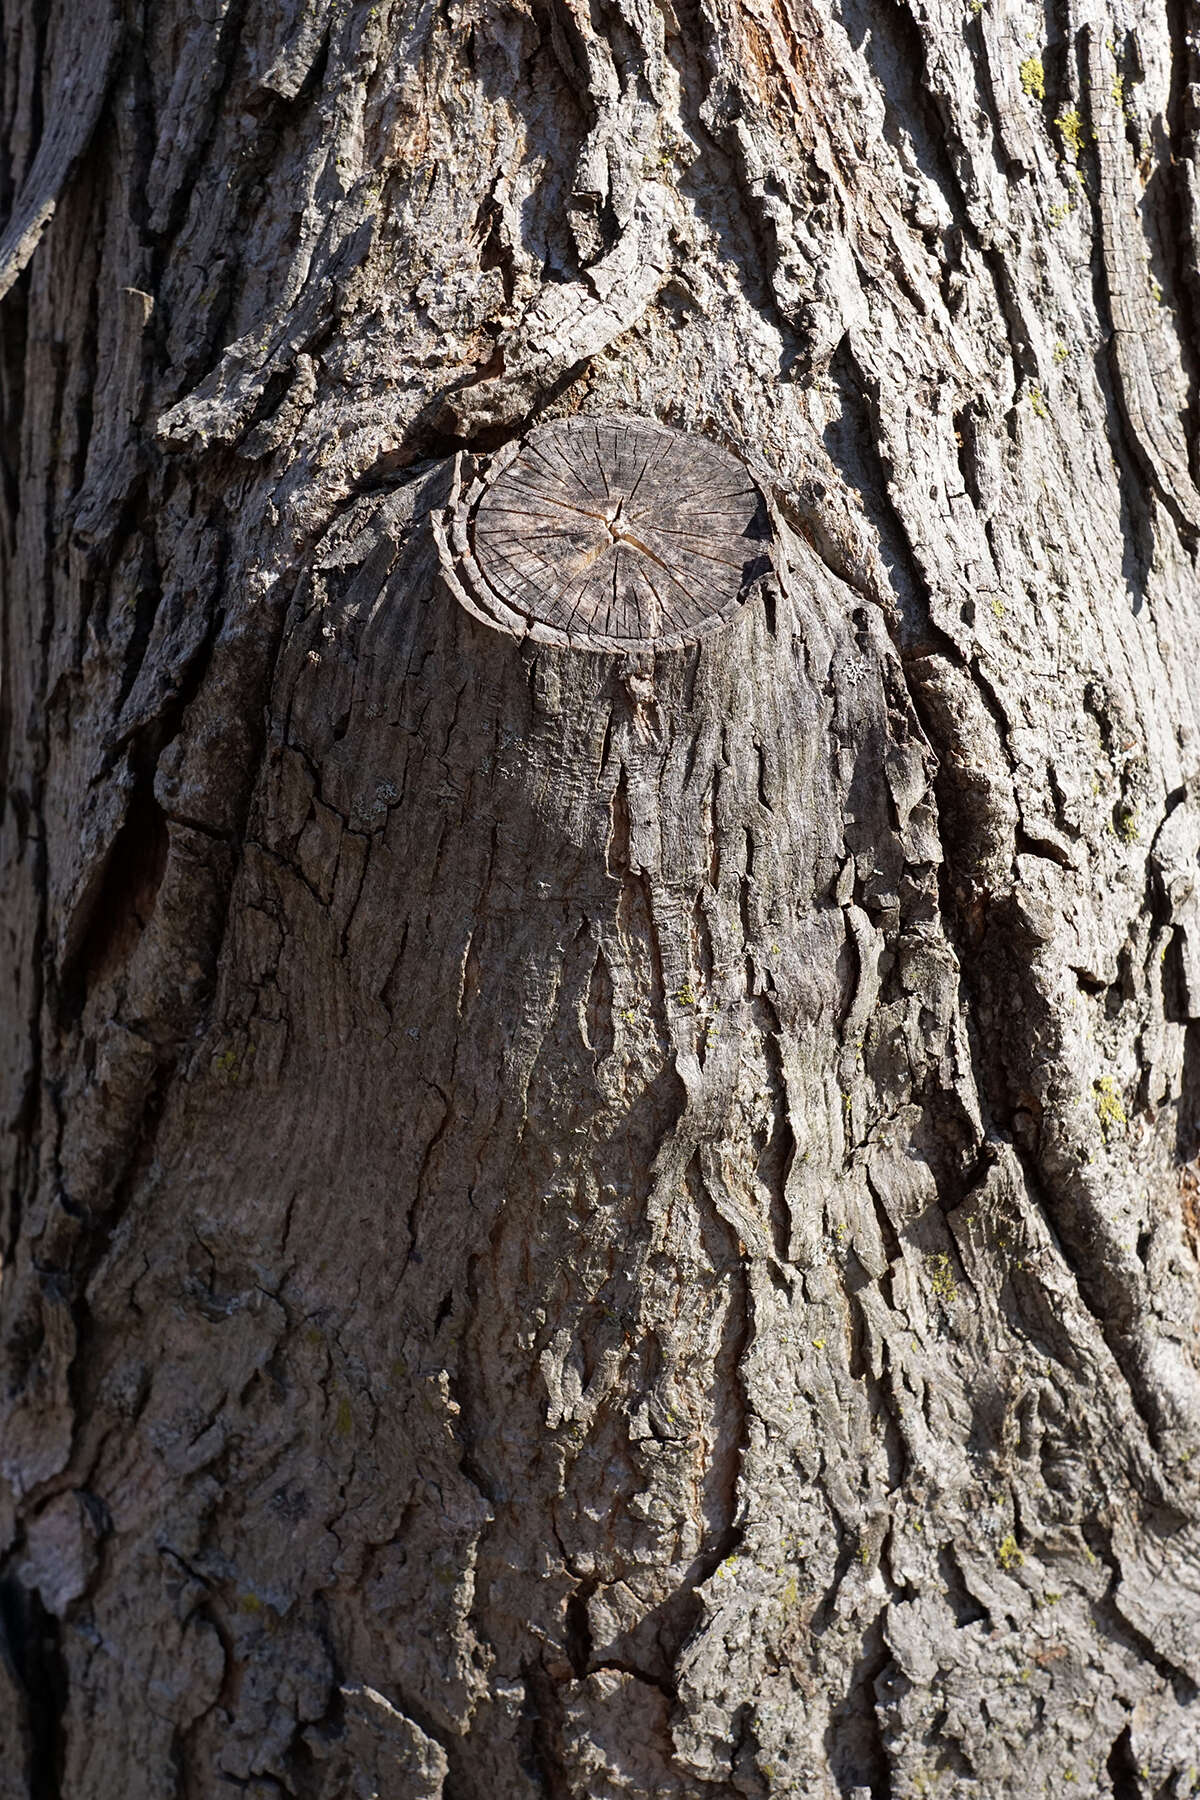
[(629, 1219)]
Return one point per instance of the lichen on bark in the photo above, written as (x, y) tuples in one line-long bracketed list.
[(580, 1225)]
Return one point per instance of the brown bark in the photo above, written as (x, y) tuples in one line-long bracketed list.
[(583, 1225)]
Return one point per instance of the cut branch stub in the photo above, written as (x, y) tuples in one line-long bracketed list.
[(610, 534)]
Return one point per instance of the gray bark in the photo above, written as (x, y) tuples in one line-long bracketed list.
[(584, 1226)]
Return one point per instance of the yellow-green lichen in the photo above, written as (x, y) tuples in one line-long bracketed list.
[(1072, 130), (1009, 1553), (1033, 78), (941, 1276), (1109, 1108)]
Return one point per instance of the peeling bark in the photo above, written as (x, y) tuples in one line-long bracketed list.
[(580, 1224)]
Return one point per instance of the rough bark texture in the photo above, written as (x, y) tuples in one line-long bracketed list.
[(579, 1226)]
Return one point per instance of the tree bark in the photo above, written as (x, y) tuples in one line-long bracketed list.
[(585, 1225)]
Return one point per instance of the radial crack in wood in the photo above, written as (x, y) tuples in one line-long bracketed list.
[(613, 534)]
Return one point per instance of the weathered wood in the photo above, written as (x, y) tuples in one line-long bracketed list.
[(79, 46), (618, 535)]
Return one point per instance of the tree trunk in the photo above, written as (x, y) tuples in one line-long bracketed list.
[(584, 1223)]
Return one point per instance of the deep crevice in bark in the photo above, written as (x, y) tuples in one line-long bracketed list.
[(1123, 1770), (857, 1753), (31, 1642)]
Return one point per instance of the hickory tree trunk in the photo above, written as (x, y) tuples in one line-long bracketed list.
[(575, 1228)]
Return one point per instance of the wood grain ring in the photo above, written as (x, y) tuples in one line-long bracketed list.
[(617, 534)]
